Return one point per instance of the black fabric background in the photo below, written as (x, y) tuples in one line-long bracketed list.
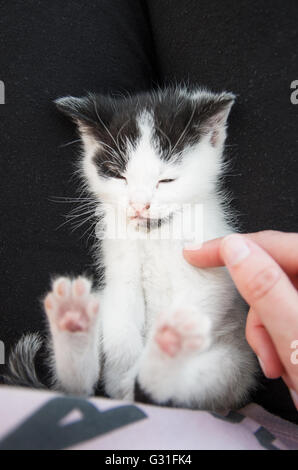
[(50, 49), (248, 47)]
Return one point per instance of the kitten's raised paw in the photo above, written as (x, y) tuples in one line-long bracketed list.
[(182, 331), (70, 305)]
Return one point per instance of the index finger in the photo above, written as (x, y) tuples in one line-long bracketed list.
[(283, 247)]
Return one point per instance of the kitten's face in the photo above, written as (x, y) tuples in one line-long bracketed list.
[(152, 153)]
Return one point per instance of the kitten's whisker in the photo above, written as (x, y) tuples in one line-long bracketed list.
[(83, 222), (91, 231), (68, 199), (82, 208), (120, 130), (106, 145), (69, 143), (75, 216)]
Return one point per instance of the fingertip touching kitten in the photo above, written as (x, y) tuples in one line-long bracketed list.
[(159, 330)]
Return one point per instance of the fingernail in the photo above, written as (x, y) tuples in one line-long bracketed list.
[(234, 249), (294, 396), (192, 246), (262, 365)]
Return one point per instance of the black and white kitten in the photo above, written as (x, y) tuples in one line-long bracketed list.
[(160, 327)]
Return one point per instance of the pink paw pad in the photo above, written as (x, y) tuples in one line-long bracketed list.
[(182, 333), (73, 321), (80, 287), (168, 340), (71, 306), (62, 287)]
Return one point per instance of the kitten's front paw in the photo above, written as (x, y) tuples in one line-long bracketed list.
[(71, 306), (183, 332)]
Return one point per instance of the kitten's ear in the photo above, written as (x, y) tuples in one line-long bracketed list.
[(91, 114), (215, 111)]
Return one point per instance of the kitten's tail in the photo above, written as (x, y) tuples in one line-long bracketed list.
[(21, 364)]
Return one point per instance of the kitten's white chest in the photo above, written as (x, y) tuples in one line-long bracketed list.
[(157, 258)]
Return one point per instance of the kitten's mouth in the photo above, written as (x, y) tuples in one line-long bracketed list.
[(140, 217), (149, 223)]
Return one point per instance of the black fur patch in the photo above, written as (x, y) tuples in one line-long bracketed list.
[(179, 121)]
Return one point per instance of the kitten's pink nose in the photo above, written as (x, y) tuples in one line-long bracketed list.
[(139, 207)]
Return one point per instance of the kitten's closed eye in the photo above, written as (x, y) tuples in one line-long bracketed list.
[(166, 180)]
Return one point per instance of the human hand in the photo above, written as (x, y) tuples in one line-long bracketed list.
[(264, 268)]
